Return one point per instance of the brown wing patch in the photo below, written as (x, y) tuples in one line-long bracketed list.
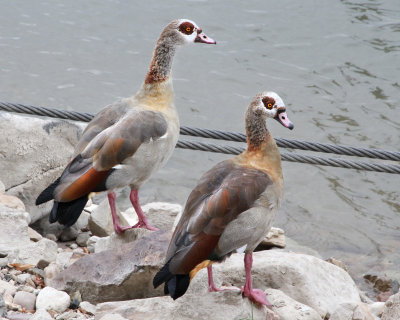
[(83, 185)]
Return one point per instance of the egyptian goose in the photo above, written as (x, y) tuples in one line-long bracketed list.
[(127, 141), (232, 206)]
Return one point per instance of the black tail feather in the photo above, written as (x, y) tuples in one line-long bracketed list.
[(67, 213), (47, 194), (175, 284)]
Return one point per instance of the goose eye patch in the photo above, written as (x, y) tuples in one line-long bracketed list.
[(268, 102), (186, 28)]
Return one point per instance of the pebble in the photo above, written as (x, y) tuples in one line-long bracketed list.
[(41, 314), (82, 239), (52, 299), (51, 236), (25, 299), (88, 307), (22, 278), (73, 246)]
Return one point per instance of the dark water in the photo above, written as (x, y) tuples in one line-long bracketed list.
[(336, 64)]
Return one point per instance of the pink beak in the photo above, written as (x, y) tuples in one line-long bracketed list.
[(283, 119), (203, 38)]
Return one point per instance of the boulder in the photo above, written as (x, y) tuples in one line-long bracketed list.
[(199, 306), (306, 279), (26, 300), (287, 308), (37, 159), (52, 299), (391, 311), (123, 273)]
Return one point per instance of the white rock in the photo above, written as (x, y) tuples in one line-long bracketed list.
[(91, 243), (68, 234), (116, 240), (25, 299), (376, 308), (274, 238), (83, 220), (6, 287), (63, 259), (23, 277), (287, 308), (88, 307), (162, 214), (37, 159), (112, 316), (82, 239), (306, 279), (41, 314), (52, 299), (40, 253), (12, 202), (391, 311)]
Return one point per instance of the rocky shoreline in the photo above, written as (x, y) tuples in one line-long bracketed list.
[(88, 272)]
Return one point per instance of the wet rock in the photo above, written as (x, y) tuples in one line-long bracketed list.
[(306, 279), (26, 300), (116, 240), (274, 238), (12, 202), (82, 239), (123, 273), (391, 311), (287, 308), (37, 159), (34, 235), (52, 299), (199, 306), (88, 307), (41, 314)]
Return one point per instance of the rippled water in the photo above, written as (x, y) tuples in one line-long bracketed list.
[(336, 64)]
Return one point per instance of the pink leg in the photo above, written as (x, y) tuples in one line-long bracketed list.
[(117, 227), (143, 222), (211, 285), (255, 295)]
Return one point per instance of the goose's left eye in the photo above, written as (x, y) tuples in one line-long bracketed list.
[(188, 29), (269, 105)]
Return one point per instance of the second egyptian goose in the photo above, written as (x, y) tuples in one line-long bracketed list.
[(127, 141), (231, 208)]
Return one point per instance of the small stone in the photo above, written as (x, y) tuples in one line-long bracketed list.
[(26, 289), (8, 298), (336, 262), (88, 307), (25, 299), (63, 259), (41, 314), (34, 235), (23, 277), (91, 243), (274, 238), (30, 282), (2, 187), (7, 287), (3, 308), (76, 299), (68, 234), (376, 308), (51, 272), (3, 262), (51, 236), (82, 239), (73, 246), (52, 299)]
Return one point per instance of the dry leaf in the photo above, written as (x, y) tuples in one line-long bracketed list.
[(21, 266)]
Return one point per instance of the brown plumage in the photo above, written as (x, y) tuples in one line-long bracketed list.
[(231, 207), (127, 141)]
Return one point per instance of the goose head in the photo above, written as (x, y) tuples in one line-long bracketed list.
[(185, 31), (270, 105)]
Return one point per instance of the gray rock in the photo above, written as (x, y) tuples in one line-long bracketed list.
[(37, 159), (287, 308), (26, 300), (82, 239), (116, 240), (199, 306), (306, 279), (391, 311), (123, 273), (3, 308), (68, 234), (2, 187), (88, 307), (52, 299), (41, 314)]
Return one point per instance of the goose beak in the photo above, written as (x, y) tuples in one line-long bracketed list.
[(283, 119), (203, 38)]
